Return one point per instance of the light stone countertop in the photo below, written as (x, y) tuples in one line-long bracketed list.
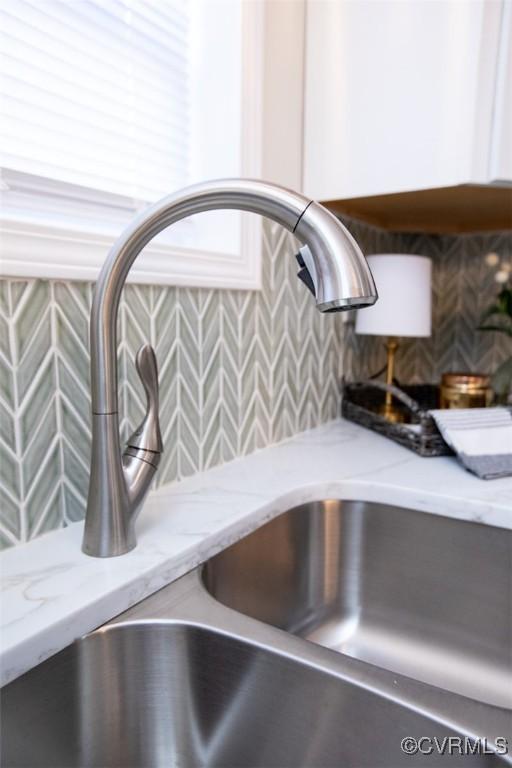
[(52, 594)]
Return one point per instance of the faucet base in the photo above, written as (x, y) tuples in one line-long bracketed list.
[(108, 552)]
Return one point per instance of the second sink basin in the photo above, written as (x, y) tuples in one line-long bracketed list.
[(160, 694), (417, 594)]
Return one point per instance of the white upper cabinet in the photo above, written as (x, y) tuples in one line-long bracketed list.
[(406, 95), (501, 142)]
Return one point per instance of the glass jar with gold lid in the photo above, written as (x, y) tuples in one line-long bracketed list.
[(465, 390)]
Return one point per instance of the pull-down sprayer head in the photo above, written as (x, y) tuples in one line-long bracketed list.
[(331, 263)]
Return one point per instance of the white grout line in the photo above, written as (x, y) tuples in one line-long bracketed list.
[(37, 428), (9, 495), (36, 529), (37, 378), (79, 460), (42, 467), (16, 426), (27, 293), (57, 311)]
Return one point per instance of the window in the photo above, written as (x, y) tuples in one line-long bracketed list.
[(107, 105)]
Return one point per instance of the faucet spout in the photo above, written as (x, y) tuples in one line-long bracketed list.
[(339, 277)]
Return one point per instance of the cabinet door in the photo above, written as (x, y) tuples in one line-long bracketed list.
[(501, 150), (399, 95)]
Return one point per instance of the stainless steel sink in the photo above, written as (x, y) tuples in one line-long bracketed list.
[(183, 680), (180, 695), (423, 595)]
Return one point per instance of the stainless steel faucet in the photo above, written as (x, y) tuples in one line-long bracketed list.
[(332, 266)]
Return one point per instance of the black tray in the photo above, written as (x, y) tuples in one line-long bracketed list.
[(361, 402)]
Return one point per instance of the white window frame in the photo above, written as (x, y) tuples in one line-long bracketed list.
[(35, 243)]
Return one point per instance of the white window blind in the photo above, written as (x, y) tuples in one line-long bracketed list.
[(97, 93), (108, 105)]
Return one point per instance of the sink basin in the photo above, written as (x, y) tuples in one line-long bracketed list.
[(418, 594), (180, 695), (181, 680)]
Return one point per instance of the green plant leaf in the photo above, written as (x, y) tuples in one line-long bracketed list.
[(494, 309), (499, 313), (499, 328), (507, 300)]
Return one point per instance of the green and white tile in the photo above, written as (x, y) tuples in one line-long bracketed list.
[(238, 370)]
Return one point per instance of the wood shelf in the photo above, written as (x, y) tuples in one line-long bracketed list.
[(446, 210)]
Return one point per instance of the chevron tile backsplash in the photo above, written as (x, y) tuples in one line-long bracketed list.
[(463, 286), (238, 370)]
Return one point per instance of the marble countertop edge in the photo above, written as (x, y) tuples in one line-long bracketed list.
[(52, 593)]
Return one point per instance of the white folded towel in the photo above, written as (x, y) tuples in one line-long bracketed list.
[(481, 438)]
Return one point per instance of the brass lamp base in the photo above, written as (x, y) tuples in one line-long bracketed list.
[(388, 410), (392, 413)]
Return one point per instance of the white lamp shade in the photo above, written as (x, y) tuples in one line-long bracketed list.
[(404, 306)]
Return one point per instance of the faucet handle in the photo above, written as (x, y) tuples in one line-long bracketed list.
[(147, 436)]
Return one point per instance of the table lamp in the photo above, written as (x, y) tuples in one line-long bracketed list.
[(403, 309)]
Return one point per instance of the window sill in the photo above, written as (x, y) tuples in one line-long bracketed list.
[(52, 231), (53, 252)]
